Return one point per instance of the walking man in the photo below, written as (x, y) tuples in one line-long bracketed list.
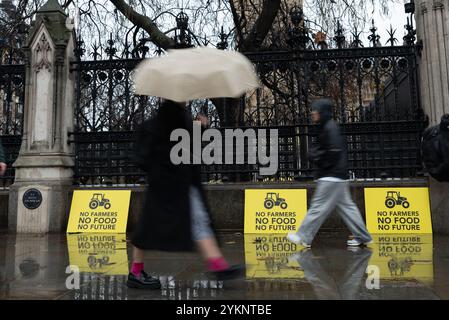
[(330, 157)]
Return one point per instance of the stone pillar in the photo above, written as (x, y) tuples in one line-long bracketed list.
[(432, 18), (46, 160)]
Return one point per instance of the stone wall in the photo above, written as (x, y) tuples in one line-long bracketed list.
[(227, 201)]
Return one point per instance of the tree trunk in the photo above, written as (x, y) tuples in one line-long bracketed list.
[(228, 111)]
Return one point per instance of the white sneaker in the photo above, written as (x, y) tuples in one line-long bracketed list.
[(356, 243), (293, 237)]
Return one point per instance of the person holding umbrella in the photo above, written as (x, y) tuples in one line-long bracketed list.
[(175, 215)]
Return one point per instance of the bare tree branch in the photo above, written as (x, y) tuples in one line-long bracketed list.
[(157, 36)]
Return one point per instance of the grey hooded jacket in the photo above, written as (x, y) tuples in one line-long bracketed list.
[(329, 153)]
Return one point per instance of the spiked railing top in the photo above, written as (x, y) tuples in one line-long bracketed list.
[(297, 36)]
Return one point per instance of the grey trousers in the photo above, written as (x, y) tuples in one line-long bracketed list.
[(201, 228), (347, 287), (329, 196)]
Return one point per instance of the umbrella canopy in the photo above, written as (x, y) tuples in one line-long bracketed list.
[(199, 73)]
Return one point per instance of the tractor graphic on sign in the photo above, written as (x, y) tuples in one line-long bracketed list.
[(99, 200), (398, 267), (95, 263), (272, 199), (394, 199)]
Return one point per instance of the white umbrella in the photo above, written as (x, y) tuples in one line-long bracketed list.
[(200, 73)]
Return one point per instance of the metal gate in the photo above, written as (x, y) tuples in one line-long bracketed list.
[(375, 90), (12, 94)]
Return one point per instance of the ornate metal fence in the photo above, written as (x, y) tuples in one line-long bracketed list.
[(375, 90), (12, 95)]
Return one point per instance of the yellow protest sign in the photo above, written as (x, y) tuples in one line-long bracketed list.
[(398, 210), (274, 211), (98, 253), (271, 256), (99, 211), (403, 256)]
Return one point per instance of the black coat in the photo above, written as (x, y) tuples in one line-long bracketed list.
[(435, 151), (329, 153), (165, 221)]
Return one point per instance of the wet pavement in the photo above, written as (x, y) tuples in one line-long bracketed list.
[(399, 267)]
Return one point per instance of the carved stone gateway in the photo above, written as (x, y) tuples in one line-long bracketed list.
[(46, 159)]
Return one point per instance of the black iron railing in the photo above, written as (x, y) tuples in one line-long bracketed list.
[(375, 91), (367, 84), (12, 97), (375, 150), (377, 103)]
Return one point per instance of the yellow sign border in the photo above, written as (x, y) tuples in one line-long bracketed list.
[(421, 210), (250, 206), (120, 201)]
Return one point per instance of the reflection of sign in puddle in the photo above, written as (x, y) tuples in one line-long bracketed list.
[(404, 257), (99, 253), (268, 256)]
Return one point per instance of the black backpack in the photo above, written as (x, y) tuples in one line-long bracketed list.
[(435, 153)]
